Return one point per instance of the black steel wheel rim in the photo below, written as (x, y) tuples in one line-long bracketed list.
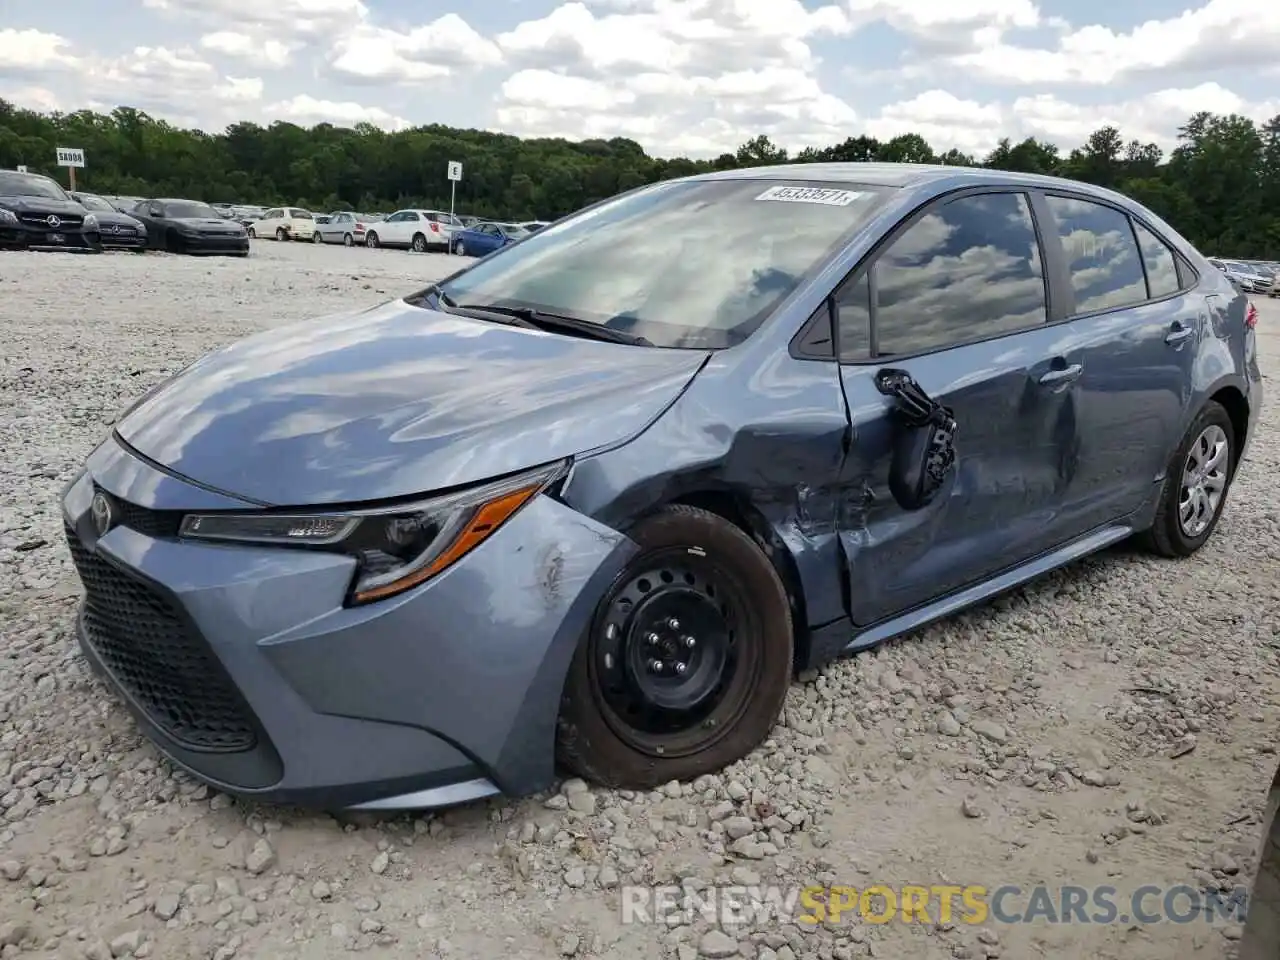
[(668, 662)]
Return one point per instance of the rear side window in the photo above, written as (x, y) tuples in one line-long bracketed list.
[(1102, 254), (1162, 268), (968, 270)]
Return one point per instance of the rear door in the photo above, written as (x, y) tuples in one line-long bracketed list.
[(1135, 310), (958, 298)]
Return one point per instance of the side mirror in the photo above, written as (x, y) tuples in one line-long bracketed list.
[(924, 450)]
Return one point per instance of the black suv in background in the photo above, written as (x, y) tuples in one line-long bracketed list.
[(36, 213)]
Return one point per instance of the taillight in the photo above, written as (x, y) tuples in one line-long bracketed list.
[(359, 227), (1251, 316), (435, 227)]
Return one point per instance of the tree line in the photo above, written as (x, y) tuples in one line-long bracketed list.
[(1220, 186)]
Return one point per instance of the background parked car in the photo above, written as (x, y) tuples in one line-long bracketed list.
[(247, 216), (344, 228), (35, 212), (116, 230), (190, 226), (419, 230), (484, 238), (533, 226), (285, 223), (122, 203)]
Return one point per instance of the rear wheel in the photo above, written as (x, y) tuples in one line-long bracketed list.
[(1196, 482), (371, 240), (348, 240), (252, 235), (687, 662)]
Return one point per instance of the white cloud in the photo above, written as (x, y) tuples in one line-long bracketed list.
[(33, 51), (1222, 34), (283, 20), (241, 46), (434, 50), (308, 111)]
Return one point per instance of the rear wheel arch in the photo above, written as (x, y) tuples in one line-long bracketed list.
[(1237, 407)]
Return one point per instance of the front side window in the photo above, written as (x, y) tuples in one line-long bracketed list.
[(410, 216), (967, 270), (1102, 254), (1162, 268), (696, 263)]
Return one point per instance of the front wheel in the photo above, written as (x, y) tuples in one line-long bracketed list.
[(687, 662), (371, 240), (459, 249), (282, 234), (1196, 482), (419, 243), (252, 235)]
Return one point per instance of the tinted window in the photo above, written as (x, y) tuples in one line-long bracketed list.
[(410, 216), (694, 263), (1162, 269), (190, 209), (1102, 254), (853, 319), (13, 184), (967, 270)]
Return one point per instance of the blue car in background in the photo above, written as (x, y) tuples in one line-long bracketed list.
[(482, 239)]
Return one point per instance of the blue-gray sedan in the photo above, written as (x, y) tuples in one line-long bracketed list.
[(596, 496)]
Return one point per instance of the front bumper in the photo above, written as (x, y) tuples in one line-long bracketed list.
[(243, 666), (125, 239), (22, 237), (205, 244)]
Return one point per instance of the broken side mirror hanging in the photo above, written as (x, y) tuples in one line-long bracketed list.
[(924, 452)]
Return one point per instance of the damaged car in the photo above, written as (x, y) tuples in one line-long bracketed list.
[(595, 498)]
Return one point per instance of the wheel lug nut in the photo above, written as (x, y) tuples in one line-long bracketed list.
[(690, 642), (673, 623), (652, 638), (681, 667), (655, 666)]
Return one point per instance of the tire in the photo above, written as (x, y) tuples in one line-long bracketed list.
[(371, 240), (252, 235), (1167, 535), (459, 249), (419, 243), (282, 234), (684, 551), (316, 238), (348, 240), (173, 243)]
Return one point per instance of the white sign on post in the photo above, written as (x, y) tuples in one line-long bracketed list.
[(22, 168), (455, 174), (70, 157)]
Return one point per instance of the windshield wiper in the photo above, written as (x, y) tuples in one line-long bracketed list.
[(554, 321)]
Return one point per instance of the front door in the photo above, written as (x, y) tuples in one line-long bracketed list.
[(958, 300)]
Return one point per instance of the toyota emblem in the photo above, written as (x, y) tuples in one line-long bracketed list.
[(53, 222), (102, 514)]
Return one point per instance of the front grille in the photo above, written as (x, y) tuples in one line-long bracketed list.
[(152, 523), (68, 222), (159, 658)]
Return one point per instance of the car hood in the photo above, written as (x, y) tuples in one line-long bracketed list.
[(205, 223), (115, 219), (42, 205), (396, 401)]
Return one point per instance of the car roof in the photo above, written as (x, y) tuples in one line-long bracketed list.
[(927, 178)]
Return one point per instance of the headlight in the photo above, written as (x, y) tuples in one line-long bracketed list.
[(396, 547), (90, 222), (8, 216)]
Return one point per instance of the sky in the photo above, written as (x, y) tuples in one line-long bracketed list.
[(682, 77)]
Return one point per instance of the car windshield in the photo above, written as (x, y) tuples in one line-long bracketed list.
[(190, 210), (697, 264), (22, 185), (91, 202)]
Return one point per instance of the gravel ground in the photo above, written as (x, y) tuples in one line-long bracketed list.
[(1111, 724)]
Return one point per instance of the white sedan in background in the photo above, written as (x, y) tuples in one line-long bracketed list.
[(285, 223), (418, 230)]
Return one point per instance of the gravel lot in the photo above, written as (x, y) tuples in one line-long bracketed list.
[(1112, 724)]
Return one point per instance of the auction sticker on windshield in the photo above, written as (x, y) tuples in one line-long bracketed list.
[(831, 198)]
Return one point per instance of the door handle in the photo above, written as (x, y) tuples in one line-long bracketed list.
[(1180, 333), (1063, 375)]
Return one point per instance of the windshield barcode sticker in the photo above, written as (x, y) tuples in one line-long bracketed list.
[(830, 198)]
